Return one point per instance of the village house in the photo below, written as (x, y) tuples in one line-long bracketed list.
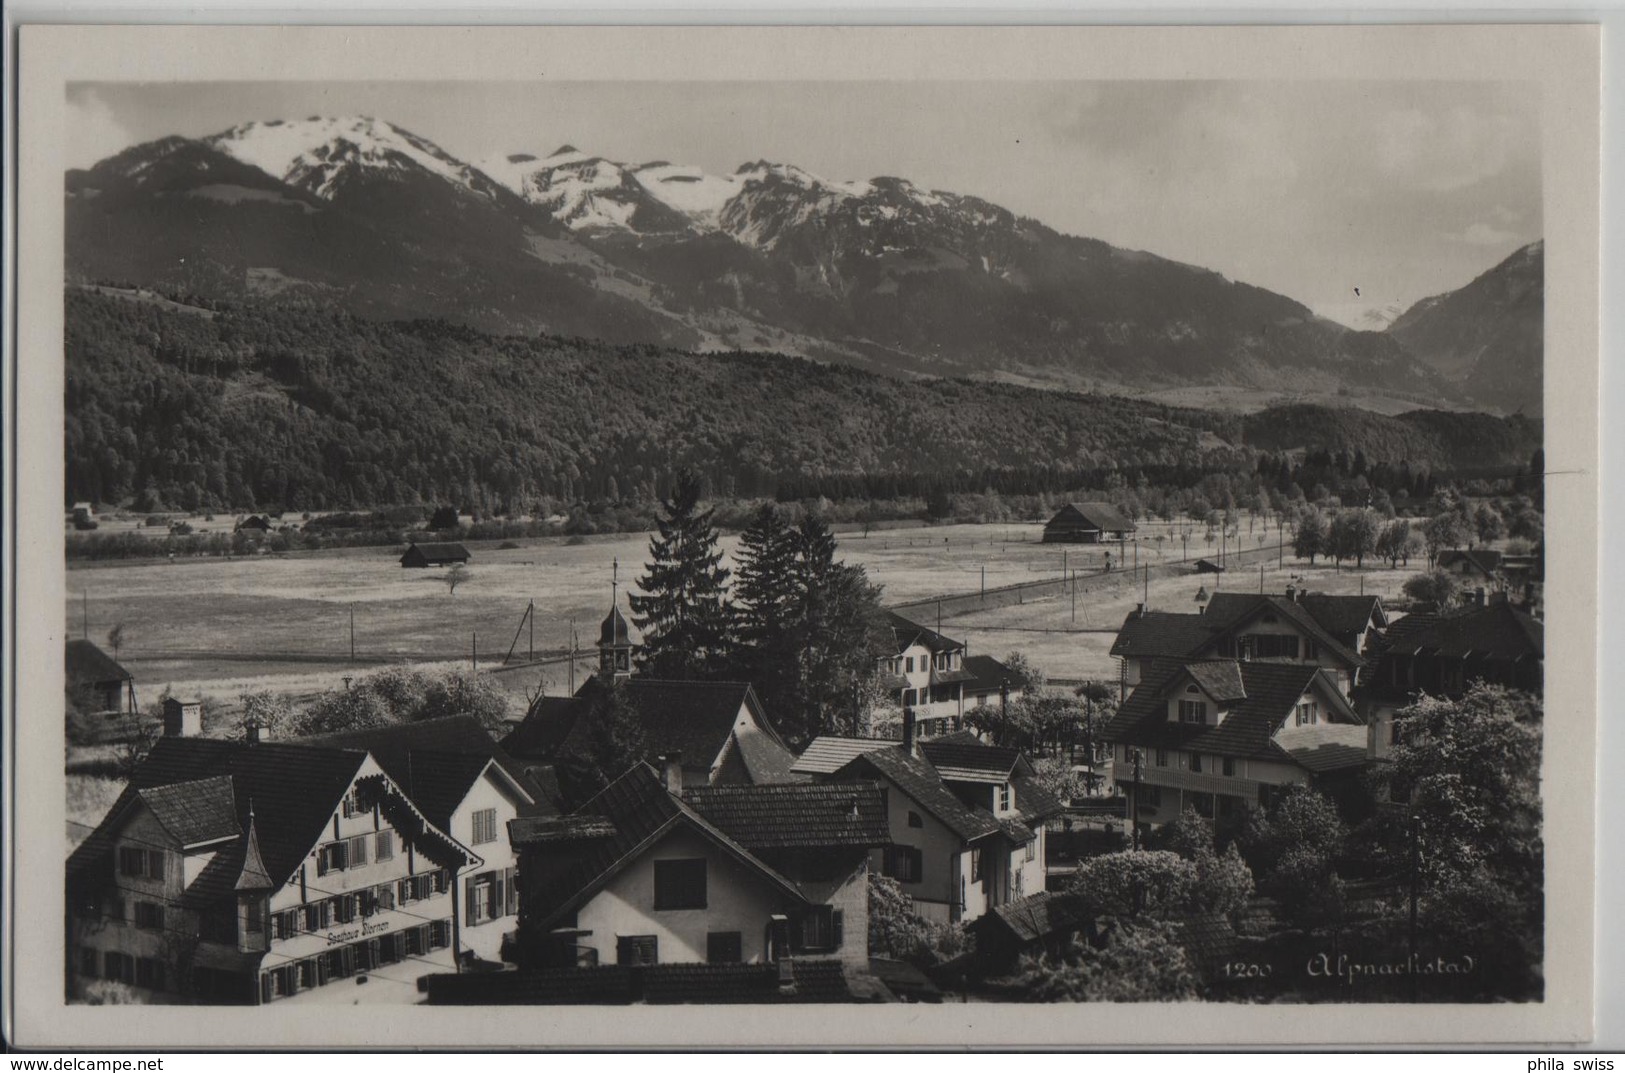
[(1475, 566), (99, 679), (1443, 655), (1333, 632), (254, 524), (434, 554), (991, 682), (966, 818), (1087, 523), (246, 872), (925, 672), (720, 729), (466, 785), (1215, 734), (641, 875)]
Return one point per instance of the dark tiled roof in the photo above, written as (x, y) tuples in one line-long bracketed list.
[(558, 830), (695, 719), (828, 753), (1499, 631), (1207, 936), (436, 761), (1015, 830), (195, 812), (1219, 678), (1343, 616), (437, 551), (87, 663), (765, 759), (987, 674), (948, 678), (915, 777), (1036, 917), (1325, 746), (1035, 803), (958, 760), (796, 815), (1093, 515), (641, 810), (1231, 611), (292, 789), (1162, 633), (544, 728), (906, 632), (1273, 690)]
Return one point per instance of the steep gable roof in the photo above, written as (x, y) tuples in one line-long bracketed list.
[(1036, 917), (1218, 678), (806, 815), (986, 674), (1325, 746), (88, 663), (907, 633), (1272, 690), (436, 761), (1486, 561), (921, 782), (1344, 616), (433, 551), (545, 727), (828, 753), (1232, 611), (1096, 515), (766, 760), (197, 812), (1150, 634), (640, 811)]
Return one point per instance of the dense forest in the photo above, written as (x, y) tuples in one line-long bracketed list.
[(175, 406)]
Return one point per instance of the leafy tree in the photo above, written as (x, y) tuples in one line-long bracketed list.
[(1133, 882), (271, 712), (1055, 775), (1311, 538), (615, 739), (684, 611), (1023, 675), (340, 710), (1488, 525), (115, 638), (1223, 882), (454, 576), (1354, 535), (1135, 961), (895, 931), (444, 518), (1437, 587), (1394, 542), (1527, 524), (1446, 530), (460, 692)]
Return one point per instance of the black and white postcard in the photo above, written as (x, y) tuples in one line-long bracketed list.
[(554, 533)]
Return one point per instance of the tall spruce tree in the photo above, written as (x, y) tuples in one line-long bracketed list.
[(685, 616)]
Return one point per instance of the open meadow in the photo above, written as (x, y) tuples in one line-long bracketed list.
[(216, 627)]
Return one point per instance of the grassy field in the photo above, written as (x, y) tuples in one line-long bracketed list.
[(217, 627)]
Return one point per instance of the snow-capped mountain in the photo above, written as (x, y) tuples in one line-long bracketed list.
[(878, 272), (323, 154)]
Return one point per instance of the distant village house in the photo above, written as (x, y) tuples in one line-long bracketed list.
[(427, 554), (1087, 523)]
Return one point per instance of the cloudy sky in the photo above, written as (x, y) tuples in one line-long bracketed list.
[(1311, 189)]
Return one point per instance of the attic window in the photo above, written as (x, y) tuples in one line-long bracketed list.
[(1192, 689), (1270, 618), (914, 819)]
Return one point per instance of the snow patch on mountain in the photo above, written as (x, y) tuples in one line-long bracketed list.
[(317, 153)]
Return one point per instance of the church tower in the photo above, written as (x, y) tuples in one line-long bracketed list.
[(615, 642)]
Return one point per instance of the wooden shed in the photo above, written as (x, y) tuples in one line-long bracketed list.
[(1087, 523), (421, 555)]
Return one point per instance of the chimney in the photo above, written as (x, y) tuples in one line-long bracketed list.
[(255, 732), (671, 773), (908, 729), (182, 718), (1292, 593), (1140, 610), (1479, 596)]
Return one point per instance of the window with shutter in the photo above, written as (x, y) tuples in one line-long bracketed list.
[(357, 852), (383, 846), (485, 826), (512, 908), (131, 861)]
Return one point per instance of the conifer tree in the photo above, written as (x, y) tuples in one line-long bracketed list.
[(684, 611)]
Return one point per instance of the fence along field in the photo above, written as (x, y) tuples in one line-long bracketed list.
[(217, 626)]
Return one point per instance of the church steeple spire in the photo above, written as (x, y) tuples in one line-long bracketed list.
[(615, 642)]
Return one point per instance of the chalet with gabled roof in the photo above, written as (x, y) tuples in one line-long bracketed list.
[(239, 872), (95, 675), (467, 786), (1215, 734), (644, 874), (1087, 523), (427, 554), (966, 819), (925, 673)]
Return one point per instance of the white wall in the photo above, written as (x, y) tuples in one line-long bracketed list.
[(485, 939), (737, 899)]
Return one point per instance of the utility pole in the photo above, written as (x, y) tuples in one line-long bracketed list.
[(530, 613), (984, 582), (84, 618), (352, 634), (1260, 577), (474, 652), (1074, 587), (572, 657)]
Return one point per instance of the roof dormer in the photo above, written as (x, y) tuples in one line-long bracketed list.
[(1204, 692)]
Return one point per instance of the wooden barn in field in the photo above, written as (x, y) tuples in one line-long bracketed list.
[(1087, 523), (421, 555), (105, 684)]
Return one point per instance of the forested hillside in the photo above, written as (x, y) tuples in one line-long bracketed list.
[(1437, 439), (307, 409)]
